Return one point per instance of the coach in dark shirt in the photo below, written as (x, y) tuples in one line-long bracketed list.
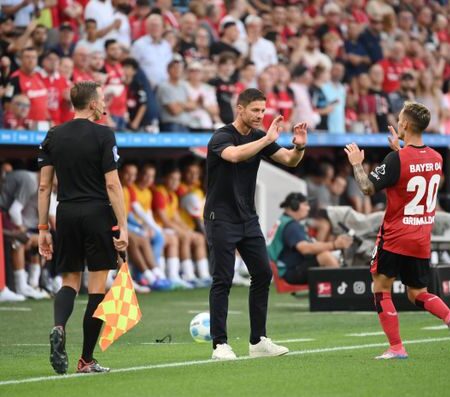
[(231, 222), (84, 157)]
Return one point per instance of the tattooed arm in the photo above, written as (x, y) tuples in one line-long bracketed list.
[(356, 157)]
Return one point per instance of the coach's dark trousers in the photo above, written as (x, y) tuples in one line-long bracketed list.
[(223, 239)]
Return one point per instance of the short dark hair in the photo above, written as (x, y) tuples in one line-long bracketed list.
[(225, 57), (250, 95), (82, 93), (130, 62), (90, 20), (27, 49), (109, 42), (418, 116)]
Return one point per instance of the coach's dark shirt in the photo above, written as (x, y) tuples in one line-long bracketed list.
[(231, 186), (82, 152)]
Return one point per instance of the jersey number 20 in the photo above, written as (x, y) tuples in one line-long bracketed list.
[(418, 184)]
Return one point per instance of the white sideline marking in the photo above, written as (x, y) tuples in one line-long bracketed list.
[(367, 334), (15, 309), (436, 327), (294, 340), (291, 305), (210, 361)]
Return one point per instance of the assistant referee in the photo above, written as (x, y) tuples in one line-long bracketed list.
[(231, 222), (84, 156)]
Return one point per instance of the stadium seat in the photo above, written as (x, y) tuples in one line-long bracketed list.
[(282, 286)]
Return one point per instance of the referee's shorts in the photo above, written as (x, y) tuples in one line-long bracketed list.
[(84, 236)]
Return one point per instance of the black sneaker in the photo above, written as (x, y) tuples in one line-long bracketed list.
[(90, 367), (58, 354)]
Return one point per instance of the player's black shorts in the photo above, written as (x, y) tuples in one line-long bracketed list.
[(84, 236), (414, 272)]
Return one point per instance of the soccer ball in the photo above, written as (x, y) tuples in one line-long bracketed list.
[(199, 328)]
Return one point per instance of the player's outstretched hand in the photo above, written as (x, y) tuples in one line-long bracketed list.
[(300, 134), (354, 153), (394, 143), (275, 129), (45, 244)]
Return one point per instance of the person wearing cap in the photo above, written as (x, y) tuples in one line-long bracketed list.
[(231, 221), (291, 248), (229, 35)]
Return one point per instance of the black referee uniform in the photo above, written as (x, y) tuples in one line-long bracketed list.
[(231, 223), (81, 152)]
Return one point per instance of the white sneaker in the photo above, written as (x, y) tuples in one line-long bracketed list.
[(179, 283), (6, 295), (266, 348), (141, 289), (238, 280), (223, 352), (33, 293)]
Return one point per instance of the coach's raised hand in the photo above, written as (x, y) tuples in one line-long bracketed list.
[(275, 129), (300, 135)]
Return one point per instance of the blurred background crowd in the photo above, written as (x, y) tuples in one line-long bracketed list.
[(341, 66)]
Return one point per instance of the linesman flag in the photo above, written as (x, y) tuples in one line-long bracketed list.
[(119, 309)]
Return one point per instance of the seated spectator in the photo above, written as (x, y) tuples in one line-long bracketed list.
[(333, 16), (27, 81), (247, 76), (16, 117), (226, 88), (192, 244), (173, 98), (202, 42), (81, 63), (206, 115), (291, 248)]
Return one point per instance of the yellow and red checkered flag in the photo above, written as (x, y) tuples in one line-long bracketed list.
[(119, 309)]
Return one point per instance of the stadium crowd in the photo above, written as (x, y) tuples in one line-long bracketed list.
[(341, 66)]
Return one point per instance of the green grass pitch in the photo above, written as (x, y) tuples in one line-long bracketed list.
[(324, 359)]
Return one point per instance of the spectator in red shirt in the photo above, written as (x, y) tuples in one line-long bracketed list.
[(357, 11), (137, 19), (66, 70), (114, 85), (28, 82), (58, 87), (285, 96), (366, 107), (394, 66), (16, 118)]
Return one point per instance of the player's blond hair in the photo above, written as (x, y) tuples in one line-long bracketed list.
[(418, 116)]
